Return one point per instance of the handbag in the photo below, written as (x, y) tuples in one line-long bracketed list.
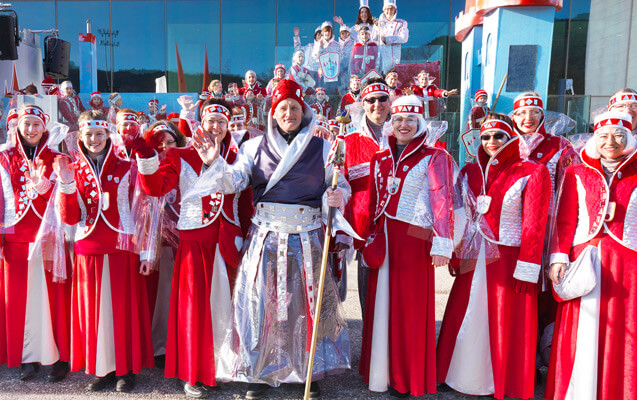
[(579, 278)]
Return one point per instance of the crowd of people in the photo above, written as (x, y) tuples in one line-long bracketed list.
[(192, 241)]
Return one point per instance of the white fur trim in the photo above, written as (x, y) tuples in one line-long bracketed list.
[(526, 271), (148, 166), (441, 246), (68, 188), (559, 258)]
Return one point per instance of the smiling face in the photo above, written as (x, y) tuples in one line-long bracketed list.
[(611, 141), (280, 73), (390, 12), (94, 140), (355, 85), (299, 58), (376, 107), (251, 78), (288, 115), (423, 80), (392, 80), (492, 141), (326, 33), (31, 130), (528, 120), (215, 126), (364, 35), (320, 96), (404, 127), (627, 107), (365, 15), (344, 35)]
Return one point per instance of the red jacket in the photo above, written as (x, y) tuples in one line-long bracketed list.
[(364, 58), (348, 99), (517, 199), (256, 89), (324, 109)]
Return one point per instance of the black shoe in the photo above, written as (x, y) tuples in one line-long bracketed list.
[(58, 372), (443, 388), (160, 361), (256, 390), (98, 383), (196, 391), (399, 395), (28, 371), (125, 383), (315, 391)]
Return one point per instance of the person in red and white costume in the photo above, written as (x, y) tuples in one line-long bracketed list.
[(308, 62), (34, 305), (488, 339), (390, 32), (352, 96), (97, 103), (557, 153), (364, 17), (593, 345), (428, 91), (154, 112), (250, 84), (364, 55), (411, 217), (128, 128), (327, 44), (50, 87), (210, 240), (479, 110), (70, 105), (279, 73), (335, 127), (300, 74), (239, 128), (163, 136), (12, 124), (254, 107), (321, 106), (392, 81), (625, 100), (111, 334)]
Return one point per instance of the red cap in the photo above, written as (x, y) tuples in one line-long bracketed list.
[(287, 89)]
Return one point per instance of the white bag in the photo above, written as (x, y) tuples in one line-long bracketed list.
[(579, 277)]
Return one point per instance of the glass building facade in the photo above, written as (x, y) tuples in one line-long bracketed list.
[(137, 39)]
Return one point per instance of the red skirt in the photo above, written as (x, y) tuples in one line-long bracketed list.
[(512, 327), (14, 273), (190, 342), (110, 315), (411, 329)]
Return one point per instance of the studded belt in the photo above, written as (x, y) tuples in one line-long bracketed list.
[(287, 218)]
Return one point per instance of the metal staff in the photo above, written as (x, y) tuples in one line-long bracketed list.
[(495, 102), (337, 160)]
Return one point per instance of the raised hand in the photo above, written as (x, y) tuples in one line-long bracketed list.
[(452, 91), (296, 31), (64, 169), (186, 103), (338, 20), (207, 148)]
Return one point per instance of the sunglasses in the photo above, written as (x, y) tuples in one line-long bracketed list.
[(373, 100), (496, 136)]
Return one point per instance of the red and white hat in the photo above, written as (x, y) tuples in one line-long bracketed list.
[(323, 124), (95, 123), (480, 93), (354, 78), (528, 101), (96, 94), (47, 83), (287, 89), (375, 88), (13, 114), (388, 3), (334, 124), (126, 117), (204, 94), (33, 112), (423, 72), (391, 73), (615, 119), (319, 90), (497, 125), (278, 67), (238, 118), (153, 101), (363, 3), (622, 98), (212, 110)]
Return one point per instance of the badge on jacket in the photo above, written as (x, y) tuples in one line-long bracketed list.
[(392, 185), (484, 202)]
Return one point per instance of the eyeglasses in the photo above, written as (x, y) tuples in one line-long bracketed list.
[(626, 106), (496, 136), (373, 100), (400, 119)]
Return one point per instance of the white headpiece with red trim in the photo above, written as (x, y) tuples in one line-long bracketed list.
[(238, 118), (622, 98), (126, 117), (363, 3), (96, 94), (375, 88), (497, 125), (215, 110), (388, 3), (34, 112), (530, 101), (95, 123)]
